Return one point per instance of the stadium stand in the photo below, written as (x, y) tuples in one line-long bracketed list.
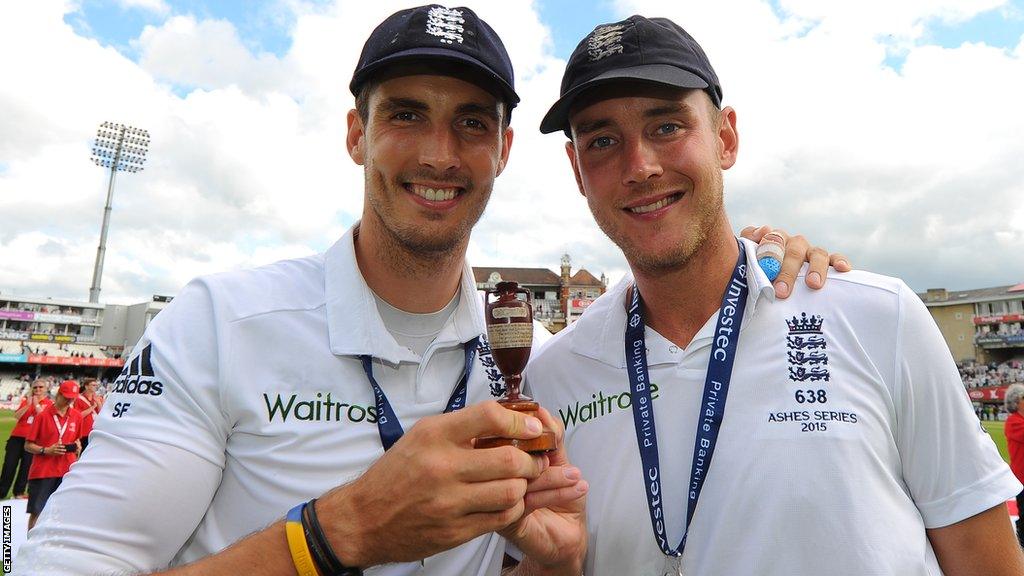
[(11, 386), (54, 349), (977, 375)]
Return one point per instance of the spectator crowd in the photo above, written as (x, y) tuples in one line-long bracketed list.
[(975, 375)]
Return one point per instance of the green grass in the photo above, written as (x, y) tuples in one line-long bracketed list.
[(7, 422), (995, 430)]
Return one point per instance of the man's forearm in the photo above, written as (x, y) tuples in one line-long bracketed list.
[(263, 553), (982, 545)]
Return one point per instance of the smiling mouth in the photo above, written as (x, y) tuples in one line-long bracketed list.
[(434, 194), (656, 205)]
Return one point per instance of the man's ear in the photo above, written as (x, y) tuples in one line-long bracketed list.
[(354, 139), (728, 138), (506, 148), (570, 151)]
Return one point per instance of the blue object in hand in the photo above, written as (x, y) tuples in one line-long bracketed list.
[(771, 267)]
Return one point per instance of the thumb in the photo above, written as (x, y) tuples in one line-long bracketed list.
[(492, 419)]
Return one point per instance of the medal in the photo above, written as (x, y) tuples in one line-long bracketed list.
[(673, 565)]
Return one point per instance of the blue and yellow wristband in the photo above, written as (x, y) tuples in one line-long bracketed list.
[(297, 543)]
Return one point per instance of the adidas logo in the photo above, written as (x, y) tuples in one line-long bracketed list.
[(138, 377)]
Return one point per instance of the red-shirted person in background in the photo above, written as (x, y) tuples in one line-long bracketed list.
[(26, 414), (1014, 431), (89, 404), (54, 441)]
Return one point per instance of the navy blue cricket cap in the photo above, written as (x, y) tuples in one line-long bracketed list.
[(655, 50), (437, 33)]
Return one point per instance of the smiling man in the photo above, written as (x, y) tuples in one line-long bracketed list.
[(356, 377), (825, 434)]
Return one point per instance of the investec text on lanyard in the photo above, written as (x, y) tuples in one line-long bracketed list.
[(387, 423), (716, 388)]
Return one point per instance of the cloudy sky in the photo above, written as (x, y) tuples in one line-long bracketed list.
[(891, 130)]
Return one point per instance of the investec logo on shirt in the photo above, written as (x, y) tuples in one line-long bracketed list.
[(322, 408), (138, 377), (599, 405)]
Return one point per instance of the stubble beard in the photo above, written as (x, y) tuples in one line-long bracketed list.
[(650, 260), (408, 245)]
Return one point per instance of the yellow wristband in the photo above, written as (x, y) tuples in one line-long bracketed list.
[(297, 543)]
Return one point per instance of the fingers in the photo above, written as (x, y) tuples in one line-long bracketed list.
[(490, 419), (818, 269), (497, 463), (557, 497), (840, 263), (796, 254), (557, 486), (555, 477), (770, 252), (495, 521), (755, 233), (494, 496), (797, 251), (557, 457)]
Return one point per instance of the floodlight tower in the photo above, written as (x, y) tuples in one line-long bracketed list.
[(119, 148)]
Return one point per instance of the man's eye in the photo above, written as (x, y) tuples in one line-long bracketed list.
[(406, 116), (602, 142), (474, 123), (667, 128)]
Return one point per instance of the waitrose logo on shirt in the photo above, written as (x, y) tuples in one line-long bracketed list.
[(321, 408), (599, 405)]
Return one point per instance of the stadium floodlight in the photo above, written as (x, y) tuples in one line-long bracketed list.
[(118, 148)]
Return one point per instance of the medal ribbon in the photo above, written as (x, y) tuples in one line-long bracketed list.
[(60, 429), (387, 422), (716, 388)]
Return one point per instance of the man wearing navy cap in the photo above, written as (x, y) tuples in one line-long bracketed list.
[(357, 376), (828, 433), (354, 377)]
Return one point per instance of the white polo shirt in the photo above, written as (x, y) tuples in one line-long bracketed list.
[(245, 397), (846, 434)]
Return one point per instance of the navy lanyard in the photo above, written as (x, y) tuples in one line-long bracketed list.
[(387, 422), (716, 388)]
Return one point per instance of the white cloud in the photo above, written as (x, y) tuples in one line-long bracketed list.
[(156, 6), (913, 172), (206, 54)]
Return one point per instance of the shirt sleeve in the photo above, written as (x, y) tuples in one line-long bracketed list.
[(950, 464), (33, 429), (126, 508), (169, 390), (155, 456), (80, 421), (1014, 429)]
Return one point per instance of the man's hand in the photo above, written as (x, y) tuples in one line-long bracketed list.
[(798, 250), (552, 534), (432, 491)]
